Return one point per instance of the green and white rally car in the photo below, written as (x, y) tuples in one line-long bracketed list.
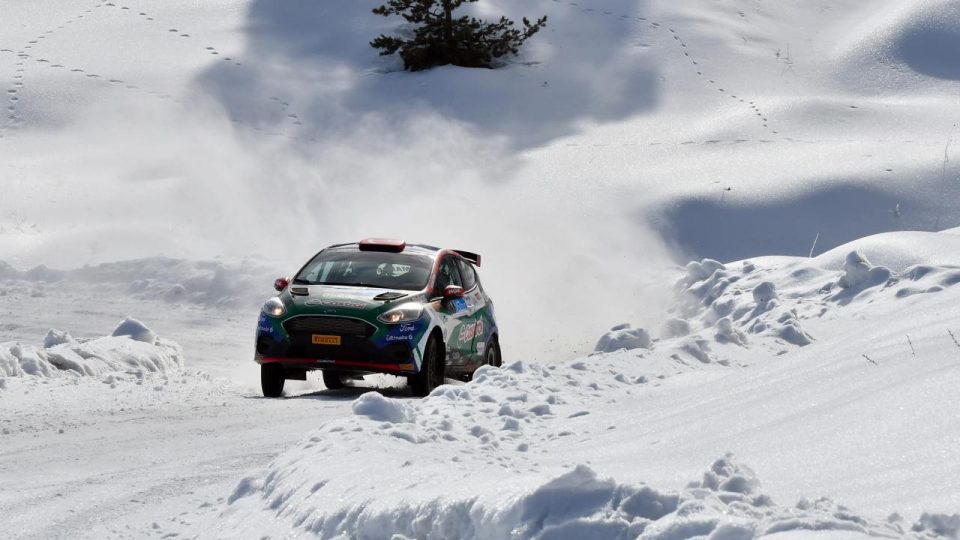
[(378, 306)]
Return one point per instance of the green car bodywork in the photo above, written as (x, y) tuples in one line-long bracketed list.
[(378, 306)]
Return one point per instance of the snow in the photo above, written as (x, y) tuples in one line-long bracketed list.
[(819, 388), (132, 350), (168, 160), (623, 337)]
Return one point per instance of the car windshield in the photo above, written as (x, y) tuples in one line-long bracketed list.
[(351, 267)]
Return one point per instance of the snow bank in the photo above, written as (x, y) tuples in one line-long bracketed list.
[(427, 475), (132, 350), (623, 336), (724, 309), (207, 283)]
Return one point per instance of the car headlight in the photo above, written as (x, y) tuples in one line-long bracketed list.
[(274, 307), (405, 313)]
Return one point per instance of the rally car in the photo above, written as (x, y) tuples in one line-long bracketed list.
[(378, 306)]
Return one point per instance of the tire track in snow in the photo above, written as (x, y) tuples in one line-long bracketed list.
[(713, 83), (177, 31), (12, 117)]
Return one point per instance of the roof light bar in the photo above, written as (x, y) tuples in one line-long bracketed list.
[(382, 244)]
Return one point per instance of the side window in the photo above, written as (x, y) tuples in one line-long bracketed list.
[(469, 276), (447, 275)]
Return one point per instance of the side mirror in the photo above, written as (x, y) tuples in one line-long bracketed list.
[(452, 291), (280, 284)]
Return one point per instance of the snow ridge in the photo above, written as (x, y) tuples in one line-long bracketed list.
[(133, 350), (467, 462), (505, 411)]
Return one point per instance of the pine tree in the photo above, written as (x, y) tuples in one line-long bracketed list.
[(439, 38)]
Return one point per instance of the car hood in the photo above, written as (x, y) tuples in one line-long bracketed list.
[(336, 298)]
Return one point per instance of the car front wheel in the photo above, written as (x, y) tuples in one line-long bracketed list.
[(431, 370), (272, 377)]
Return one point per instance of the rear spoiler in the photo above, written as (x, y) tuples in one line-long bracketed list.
[(472, 257)]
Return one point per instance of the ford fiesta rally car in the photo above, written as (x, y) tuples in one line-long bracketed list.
[(378, 306)]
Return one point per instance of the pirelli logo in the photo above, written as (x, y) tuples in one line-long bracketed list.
[(320, 339)]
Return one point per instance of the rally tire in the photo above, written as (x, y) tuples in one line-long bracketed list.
[(431, 370), (492, 356), (332, 380), (272, 377)]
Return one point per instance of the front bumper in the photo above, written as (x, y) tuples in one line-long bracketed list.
[(359, 351)]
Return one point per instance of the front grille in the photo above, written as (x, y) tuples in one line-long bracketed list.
[(339, 326)]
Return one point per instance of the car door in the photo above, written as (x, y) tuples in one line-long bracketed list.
[(475, 309), (454, 314)]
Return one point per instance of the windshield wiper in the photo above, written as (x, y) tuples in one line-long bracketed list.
[(357, 284)]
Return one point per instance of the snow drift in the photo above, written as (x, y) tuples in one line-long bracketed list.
[(725, 503), (133, 350)]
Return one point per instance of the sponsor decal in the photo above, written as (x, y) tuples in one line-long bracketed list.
[(402, 332), (320, 339), (469, 331), (336, 302), (264, 326), (459, 304)]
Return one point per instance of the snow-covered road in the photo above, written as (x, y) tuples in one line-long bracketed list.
[(107, 456)]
